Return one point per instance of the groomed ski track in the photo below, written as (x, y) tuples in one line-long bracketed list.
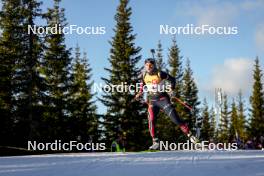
[(165, 163)]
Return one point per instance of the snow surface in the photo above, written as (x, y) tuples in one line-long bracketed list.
[(176, 163)]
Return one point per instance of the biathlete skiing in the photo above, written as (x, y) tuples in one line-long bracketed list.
[(154, 80)]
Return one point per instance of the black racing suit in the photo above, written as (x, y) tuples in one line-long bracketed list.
[(161, 100)]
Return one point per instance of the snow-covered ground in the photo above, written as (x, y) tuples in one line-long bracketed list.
[(176, 163)]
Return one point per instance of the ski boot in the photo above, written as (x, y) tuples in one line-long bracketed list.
[(195, 141), (155, 145), (186, 131), (192, 138)]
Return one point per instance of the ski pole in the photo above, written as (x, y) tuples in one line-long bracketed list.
[(183, 103)]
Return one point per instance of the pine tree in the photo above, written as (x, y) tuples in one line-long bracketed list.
[(124, 121), (190, 96), (257, 103), (84, 122), (234, 125), (159, 57), (205, 130), (56, 66), (224, 122)]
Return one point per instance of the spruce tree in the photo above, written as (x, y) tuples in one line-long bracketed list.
[(56, 67), (84, 122), (190, 96), (175, 63), (33, 82), (242, 134), (205, 130), (224, 122), (25, 52), (176, 70), (212, 121), (124, 120), (257, 103), (165, 127), (234, 125), (159, 57), (10, 49)]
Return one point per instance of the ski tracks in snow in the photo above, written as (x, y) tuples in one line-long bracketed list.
[(171, 163)]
